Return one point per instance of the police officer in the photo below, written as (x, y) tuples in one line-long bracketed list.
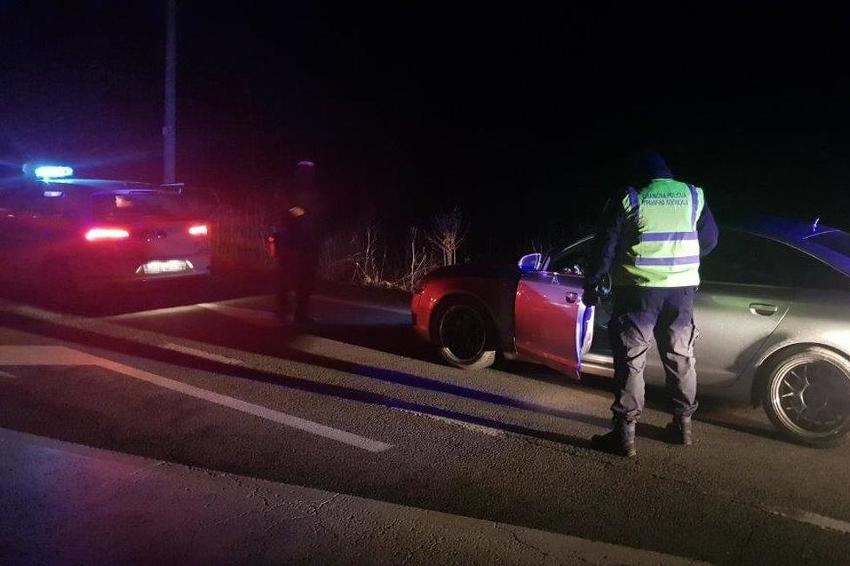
[(650, 243), (297, 245)]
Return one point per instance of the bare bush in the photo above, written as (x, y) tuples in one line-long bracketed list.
[(419, 260), (371, 258), (239, 231), (359, 256), (365, 257), (448, 232), (337, 258)]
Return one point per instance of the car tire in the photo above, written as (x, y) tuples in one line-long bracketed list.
[(807, 396), (464, 336)]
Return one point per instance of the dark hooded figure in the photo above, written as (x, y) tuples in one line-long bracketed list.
[(298, 243), (650, 243)]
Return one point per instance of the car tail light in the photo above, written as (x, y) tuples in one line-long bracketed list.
[(99, 234), (198, 230)]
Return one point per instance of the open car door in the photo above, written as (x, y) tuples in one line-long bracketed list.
[(552, 324)]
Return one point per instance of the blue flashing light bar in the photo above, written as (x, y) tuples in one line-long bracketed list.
[(53, 171)]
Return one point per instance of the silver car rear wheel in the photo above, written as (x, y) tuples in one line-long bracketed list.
[(463, 337), (808, 396)]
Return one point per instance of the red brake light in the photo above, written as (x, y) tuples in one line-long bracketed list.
[(198, 230), (97, 234)]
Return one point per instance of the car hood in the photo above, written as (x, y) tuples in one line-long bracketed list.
[(503, 271)]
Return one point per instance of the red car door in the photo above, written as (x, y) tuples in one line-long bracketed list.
[(552, 325)]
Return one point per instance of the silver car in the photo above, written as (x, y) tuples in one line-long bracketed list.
[(773, 313)]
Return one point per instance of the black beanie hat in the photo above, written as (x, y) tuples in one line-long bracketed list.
[(651, 165)]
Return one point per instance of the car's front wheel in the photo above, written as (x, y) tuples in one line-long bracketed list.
[(462, 334), (807, 396)]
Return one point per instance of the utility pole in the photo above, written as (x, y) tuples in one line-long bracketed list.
[(169, 128)]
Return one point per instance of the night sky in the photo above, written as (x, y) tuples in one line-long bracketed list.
[(522, 115)]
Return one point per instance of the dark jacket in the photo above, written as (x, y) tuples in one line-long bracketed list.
[(300, 234)]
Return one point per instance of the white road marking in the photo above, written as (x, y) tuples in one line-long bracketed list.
[(821, 521), (469, 426), (203, 354), (151, 312), (183, 308), (60, 355), (362, 305), (43, 356), (255, 316), (252, 316), (34, 312), (266, 318), (7, 375)]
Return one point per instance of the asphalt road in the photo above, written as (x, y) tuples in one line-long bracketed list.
[(411, 461)]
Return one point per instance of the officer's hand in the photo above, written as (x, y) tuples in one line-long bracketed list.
[(590, 297)]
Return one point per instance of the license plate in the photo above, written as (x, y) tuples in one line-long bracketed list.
[(157, 267)]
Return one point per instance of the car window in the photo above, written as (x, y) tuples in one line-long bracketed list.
[(137, 204), (749, 259), (54, 201), (48, 206), (754, 260), (572, 261)]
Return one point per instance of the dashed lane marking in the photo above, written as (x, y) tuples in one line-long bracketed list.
[(62, 356), (489, 431), (266, 318), (363, 305), (820, 521), (256, 316), (203, 354), (252, 316)]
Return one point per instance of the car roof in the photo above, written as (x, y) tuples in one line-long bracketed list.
[(798, 234), (790, 230), (100, 185)]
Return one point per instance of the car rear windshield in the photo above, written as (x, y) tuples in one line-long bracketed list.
[(134, 204), (836, 241)]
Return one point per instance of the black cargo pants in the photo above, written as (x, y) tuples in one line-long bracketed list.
[(640, 315), (296, 274)]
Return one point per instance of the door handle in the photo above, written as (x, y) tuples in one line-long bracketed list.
[(571, 297), (763, 309)]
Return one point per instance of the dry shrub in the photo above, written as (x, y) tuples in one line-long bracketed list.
[(240, 229)]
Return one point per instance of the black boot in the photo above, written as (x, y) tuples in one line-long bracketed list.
[(620, 441), (679, 431)]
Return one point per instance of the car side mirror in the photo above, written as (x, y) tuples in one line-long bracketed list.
[(530, 262)]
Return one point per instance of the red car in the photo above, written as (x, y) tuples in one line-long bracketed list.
[(69, 237), (470, 312)]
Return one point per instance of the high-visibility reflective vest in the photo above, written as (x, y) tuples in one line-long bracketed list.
[(661, 243)]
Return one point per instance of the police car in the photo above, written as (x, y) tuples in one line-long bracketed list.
[(71, 236)]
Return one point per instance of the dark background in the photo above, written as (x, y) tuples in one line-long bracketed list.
[(525, 116)]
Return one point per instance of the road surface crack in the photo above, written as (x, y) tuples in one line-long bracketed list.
[(519, 540), (314, 509)]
